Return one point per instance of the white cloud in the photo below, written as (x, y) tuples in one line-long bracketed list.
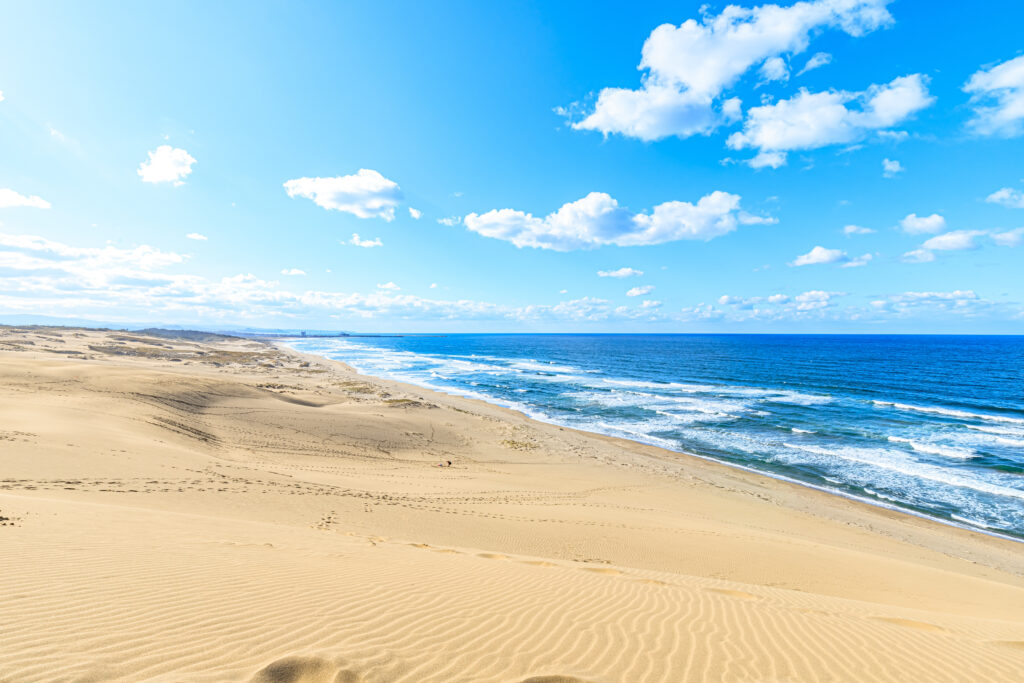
[(1008, 197), (856, 230), (30, 264), (956, 240), (1010, 238), (1, 95), (774, 69), (997, 97), (812, 120), (292, 271), (819, 59), (819, 255), (597, 220), (620, 273), (389, 286), (779, 306), (919, 256), (197, 236), (895, 136), (10, 199), (166, 164), (891, 168), (859, 261), (640, 291), (415, 213), (450, 220), (648, 303), (916, 225), (355, 241), (433, 285), (366, 194), (689, 66)]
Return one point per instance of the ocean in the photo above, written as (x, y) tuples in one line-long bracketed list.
[(928, 424)]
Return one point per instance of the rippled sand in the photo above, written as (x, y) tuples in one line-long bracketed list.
[(217, 509)]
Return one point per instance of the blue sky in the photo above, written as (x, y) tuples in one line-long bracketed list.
[(708, 160)]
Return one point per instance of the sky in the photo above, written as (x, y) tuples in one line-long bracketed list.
[(826, 166)]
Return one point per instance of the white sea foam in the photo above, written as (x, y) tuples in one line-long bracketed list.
[(797, 430), (935, 449), (1001, 431), (893, 461), (967, 520), (962, 414)]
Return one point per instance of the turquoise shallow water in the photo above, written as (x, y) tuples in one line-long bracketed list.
[(931, 424)]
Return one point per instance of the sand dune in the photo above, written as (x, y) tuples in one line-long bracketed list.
[(222, 510)]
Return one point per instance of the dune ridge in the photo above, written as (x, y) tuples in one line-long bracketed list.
[(220, 509)]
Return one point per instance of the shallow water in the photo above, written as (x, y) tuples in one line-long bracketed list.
[(933, 424)]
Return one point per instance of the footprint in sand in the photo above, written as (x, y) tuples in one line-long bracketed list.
[(305, 670), (492, 556), (734, 594), (540, 563), (910, 623)]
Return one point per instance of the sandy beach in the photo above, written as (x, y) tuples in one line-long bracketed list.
[(206, 508)]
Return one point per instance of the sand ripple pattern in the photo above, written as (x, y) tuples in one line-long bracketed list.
[(146, 595)]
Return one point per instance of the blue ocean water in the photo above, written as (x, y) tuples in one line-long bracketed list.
[(932, 424)]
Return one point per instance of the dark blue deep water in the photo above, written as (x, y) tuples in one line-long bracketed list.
[(933, 424)]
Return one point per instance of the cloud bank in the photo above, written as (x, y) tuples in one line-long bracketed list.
[(597, 220)]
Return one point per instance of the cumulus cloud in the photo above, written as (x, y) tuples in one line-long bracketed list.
[(819, 255), (11, 199), (389, 286), (649, 303), (812, 120), (1008, 197), (856, 230), (806, 305), (415, 213), (355, 241), (817, 60), (960, 302), (197, 236), (365, 194), (858, 261), (597, 220), (956, 240), (292, 271), (997, 98), (774, 69), (1010, 238), (891, 168), (450, 220), (688, 67), (166, 164), (640, 291), (919, 256), (620, 273), (916, 225)]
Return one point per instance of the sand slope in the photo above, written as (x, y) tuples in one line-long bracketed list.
[(217, 510)]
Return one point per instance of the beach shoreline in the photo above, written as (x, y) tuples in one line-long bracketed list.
[(266, 488), (623, 440)]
